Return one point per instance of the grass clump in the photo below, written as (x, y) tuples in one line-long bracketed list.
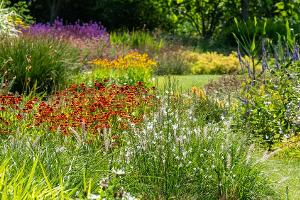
[(140, 40), (173, 156), (172, 63), (39, 63)]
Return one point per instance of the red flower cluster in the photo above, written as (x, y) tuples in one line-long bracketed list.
[(82, 107)]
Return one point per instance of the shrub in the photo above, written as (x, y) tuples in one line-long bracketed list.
[(41, 63), (212, 63), (290, 148), (271, 106), (270, 99)]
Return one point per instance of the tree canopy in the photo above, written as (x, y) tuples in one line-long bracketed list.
[(200, 17)]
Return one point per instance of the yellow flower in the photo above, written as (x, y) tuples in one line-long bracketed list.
[(213, 62), (131, 60), (199, 92), (17, 21)]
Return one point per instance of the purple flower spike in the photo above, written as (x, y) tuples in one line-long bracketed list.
[(88, 37), (91, 30), (276, 58), (288, 54), (243, 63), (296, 53)]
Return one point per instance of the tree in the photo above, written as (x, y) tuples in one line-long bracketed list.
[(114, 14), (205, 16)]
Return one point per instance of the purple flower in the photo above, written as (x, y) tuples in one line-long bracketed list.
[(296, 53), (276, 58), (91, 30), (243, 63), (245, 101), (288, 54)]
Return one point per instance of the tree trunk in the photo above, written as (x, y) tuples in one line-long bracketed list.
[(54, 6)]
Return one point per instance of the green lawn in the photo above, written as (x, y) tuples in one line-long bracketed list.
[(286, 176), (184, 82)]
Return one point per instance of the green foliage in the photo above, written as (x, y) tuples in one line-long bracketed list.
[(271, 106), (120, 77), (251, 43), (178, 62), (184, 83), (204, 17), (181, 149), (212, 63), (45, 166), (22, 8), (114, 14), (224, 87), (172, 156), (42, 64), (189, 17), (271, 99), (290, 148), (125, 70), (7, 25), (5, 85), (288, 10), (172, 63), (140, 40), (272, 29), (208, 109)]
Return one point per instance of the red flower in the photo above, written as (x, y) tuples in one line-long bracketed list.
[(19, 116)]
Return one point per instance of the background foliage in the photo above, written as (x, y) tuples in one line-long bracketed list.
[(201, 18)]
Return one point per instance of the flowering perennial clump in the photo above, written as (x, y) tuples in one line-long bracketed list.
[(88, 109), (69, 31), (131, 60), (125, 70), (90, 38)]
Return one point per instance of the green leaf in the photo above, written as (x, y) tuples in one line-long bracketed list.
[(280, 5), (264, 28), (30, 178)]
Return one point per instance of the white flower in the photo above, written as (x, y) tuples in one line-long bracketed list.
[(118, 172), (104, 183), (93, 196), (60, 149), (267, 103), (127, 196)]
